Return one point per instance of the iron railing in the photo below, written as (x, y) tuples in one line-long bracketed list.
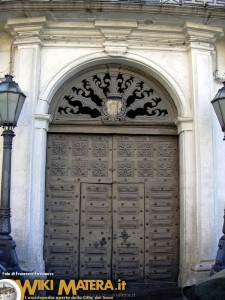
[(201, 3)]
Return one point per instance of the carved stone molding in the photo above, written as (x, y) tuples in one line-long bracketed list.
[(27, 30), (115, 36), (115, 48)]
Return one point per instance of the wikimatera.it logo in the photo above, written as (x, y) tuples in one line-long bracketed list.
[(71, 287)]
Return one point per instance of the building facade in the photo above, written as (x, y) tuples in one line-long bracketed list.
[(118, 157)]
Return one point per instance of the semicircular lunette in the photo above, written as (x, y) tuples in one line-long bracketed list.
[(113, 94)]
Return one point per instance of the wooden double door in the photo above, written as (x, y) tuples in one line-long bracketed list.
[(112, 208)]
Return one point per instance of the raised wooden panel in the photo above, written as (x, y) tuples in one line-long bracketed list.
[(162, 231), (96, 231), (62, 228), (128, 231)]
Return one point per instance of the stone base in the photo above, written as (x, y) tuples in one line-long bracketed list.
[(200, 272)]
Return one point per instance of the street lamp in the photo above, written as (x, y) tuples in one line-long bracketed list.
[(219, 106), (11, 103)]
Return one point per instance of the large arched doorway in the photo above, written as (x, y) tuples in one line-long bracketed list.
[(112, 207)]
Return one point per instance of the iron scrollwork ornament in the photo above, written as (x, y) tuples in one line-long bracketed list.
[(124, 235), (112, 96)]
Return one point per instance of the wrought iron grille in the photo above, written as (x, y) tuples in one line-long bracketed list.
[(201, 3), (205, 3)]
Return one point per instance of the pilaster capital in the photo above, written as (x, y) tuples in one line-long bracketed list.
[(184, 124), (42, 121), (26, 30), (199, 32), (201, 37)]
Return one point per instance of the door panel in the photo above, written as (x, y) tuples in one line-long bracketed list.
[(95, 231), (112, 206), (128, 231), (162, 230), (145, 159), (62, 228)]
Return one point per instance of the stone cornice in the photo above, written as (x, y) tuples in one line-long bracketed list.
[(60, 23), (116, 36)]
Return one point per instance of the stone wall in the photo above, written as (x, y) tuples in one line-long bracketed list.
[(180, 52)]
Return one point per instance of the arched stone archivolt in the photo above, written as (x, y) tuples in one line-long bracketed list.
[(130, 59), (112, 93)]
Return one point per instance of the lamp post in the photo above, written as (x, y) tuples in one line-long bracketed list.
[(11, 103), (219, 106)]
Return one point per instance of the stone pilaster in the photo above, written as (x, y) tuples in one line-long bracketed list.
[(201, 73), (26, 69)]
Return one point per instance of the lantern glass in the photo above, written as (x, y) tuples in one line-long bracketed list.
[(11, 102), (3, 107), (219, 107)]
